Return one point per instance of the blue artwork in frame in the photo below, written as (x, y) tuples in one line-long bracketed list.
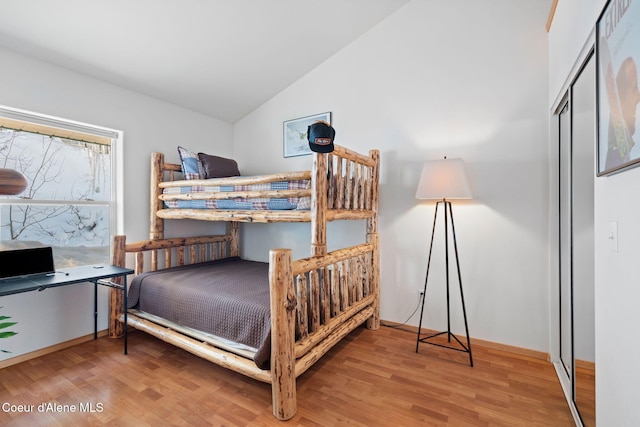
[(618, 94)]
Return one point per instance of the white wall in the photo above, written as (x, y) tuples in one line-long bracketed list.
[(56, 315), (458, 78), (617, 292)]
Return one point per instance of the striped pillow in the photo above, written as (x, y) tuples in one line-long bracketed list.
[(191, 166)]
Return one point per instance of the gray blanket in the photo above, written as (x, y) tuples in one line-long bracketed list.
[(228, 298)]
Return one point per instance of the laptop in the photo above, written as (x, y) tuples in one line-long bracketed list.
[(22, 263)]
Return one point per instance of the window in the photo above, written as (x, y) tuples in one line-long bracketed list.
[(69, 201)]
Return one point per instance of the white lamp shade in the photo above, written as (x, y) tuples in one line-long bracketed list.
[(444, 179)]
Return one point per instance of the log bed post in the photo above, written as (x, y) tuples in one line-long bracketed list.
[(283, 304), (156, 224), (232, 230), (372, 237), (116, 299), (319, 205)]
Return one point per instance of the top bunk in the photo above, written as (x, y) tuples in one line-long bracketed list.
[(341, 185)]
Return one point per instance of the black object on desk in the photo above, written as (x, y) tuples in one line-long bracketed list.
[(98, 275), (26, 262)]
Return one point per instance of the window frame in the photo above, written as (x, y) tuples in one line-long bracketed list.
[(71, 129)]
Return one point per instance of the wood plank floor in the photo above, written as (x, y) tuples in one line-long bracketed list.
[(371, 378)]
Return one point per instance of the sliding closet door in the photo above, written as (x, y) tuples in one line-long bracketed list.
[(564, 238), (576, 244), (583, 289)]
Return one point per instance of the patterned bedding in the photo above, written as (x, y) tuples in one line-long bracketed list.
[(228, 298), (291, 203)]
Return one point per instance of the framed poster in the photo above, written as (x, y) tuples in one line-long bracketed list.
[(618, 95), (295, 134)]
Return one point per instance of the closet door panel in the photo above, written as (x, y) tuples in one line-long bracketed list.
[(583, 176), (566, 353)]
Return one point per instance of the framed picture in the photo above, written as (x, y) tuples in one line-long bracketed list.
[(618, 95), (295, 134)]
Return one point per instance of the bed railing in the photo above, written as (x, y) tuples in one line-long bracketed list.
[(330, 290), (350, 176), (315, 302), (344, 185), (173, 252)]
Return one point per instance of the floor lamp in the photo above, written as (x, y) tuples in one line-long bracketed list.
[(443, 180)]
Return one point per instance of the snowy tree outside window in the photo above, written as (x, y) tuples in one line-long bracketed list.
[(67, 201)]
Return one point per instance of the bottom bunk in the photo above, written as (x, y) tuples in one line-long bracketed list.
[(302, 307)]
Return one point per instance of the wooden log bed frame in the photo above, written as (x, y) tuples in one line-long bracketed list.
[(315, 301)]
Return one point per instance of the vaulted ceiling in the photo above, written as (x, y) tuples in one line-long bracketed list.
[(223, 58)]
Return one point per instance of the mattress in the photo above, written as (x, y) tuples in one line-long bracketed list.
[(290, 203), (227, 298)]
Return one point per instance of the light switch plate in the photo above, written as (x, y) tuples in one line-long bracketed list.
[(613, 236)]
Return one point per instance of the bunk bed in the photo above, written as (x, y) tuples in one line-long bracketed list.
[(313, 302)]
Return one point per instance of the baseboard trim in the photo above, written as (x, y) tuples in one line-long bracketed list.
[(474, 341), (50, 349), (407, 328)]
